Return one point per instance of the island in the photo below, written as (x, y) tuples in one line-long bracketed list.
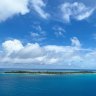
[(49, 72)]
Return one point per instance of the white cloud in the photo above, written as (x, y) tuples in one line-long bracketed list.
[(75, 42), (39, 33), (75, 10), (37, 37), (38, 6), (73, 56), (59, 31), (9, 8), (14, 45)]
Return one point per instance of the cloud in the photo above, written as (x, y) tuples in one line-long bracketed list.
[(38, 6), (39, 34), (10, 8), (76, 10), (12, 46), (75, 42), (73, 56), (59, 31)]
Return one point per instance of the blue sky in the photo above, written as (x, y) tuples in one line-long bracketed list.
[(48, 33)]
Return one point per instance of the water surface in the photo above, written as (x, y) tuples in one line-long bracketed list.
[(47, 85)]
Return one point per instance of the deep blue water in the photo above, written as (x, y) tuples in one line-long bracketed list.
[(47, 85)]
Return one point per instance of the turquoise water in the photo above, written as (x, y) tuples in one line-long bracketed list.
[(47, 85)]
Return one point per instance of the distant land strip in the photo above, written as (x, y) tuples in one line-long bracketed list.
[(48, 72)]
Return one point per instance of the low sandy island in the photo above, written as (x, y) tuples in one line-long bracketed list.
[(48, 72)]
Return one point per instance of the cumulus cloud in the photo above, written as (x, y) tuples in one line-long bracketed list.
[(14, 52), (9, 8), (76, 10), (10, 46)]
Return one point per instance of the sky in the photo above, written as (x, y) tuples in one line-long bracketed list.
[(53, 34)]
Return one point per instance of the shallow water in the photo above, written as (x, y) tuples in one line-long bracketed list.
[(47, 85)]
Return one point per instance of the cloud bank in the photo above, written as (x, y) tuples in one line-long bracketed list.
[(14, 52)]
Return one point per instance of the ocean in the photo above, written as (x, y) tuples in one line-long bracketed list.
[(47, 85)]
